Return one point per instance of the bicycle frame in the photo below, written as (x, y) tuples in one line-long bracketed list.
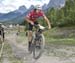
[(38, 41)]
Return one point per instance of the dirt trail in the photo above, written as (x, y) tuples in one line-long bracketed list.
[(52, 53)]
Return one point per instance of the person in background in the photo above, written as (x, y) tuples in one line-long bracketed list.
[(18, 29), (2, 34)]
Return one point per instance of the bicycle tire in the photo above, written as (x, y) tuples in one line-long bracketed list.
[(40, 51)]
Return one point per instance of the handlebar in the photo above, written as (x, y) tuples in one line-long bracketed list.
[(41, 27)]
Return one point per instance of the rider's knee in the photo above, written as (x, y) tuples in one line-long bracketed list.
[(30, 33)]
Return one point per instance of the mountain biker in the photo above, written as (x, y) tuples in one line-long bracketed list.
[(32, 17), (1, 32)]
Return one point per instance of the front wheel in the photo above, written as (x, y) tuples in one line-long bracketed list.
[(38, 46)]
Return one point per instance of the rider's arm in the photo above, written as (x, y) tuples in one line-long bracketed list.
[(48, 22), (27, 18), (29, 21)]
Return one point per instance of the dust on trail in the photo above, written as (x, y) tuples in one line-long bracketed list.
[(51, 54)]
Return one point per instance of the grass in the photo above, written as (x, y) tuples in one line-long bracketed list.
[(21, 38), (62, 36), (67, 41), (7, 53), (57, 36)]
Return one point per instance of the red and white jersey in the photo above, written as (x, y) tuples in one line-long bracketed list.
[(34, 15)]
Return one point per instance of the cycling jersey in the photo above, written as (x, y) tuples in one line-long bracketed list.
[(34, 15)]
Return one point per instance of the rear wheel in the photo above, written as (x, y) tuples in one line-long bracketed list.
[(38, 46)]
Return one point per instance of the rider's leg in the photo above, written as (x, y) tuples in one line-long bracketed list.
[(30, 35), (29, 39)]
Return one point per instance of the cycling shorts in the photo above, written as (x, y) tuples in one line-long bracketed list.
[(31, 26)]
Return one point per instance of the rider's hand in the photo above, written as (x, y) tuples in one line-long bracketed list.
[(49, 27), (32, 23)]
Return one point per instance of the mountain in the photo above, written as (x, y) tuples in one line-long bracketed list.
[(17, 16), (44, 7), (12, 15), (56, 3), (21, 17), (22, 9)]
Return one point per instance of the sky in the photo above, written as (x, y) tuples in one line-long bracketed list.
[(11, 5)]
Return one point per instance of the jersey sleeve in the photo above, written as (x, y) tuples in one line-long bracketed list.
[(41, 13), (28, 15)]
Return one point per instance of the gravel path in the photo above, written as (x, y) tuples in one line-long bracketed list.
[(52, 53)]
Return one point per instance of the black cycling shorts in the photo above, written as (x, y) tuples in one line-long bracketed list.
[(31, 26)]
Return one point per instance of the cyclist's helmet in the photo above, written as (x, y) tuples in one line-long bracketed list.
[(38, 7)]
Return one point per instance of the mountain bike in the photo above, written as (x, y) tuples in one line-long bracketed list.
[(38, 42)]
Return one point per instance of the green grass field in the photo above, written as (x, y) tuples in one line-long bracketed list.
[(8, 55), (62, 36)]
